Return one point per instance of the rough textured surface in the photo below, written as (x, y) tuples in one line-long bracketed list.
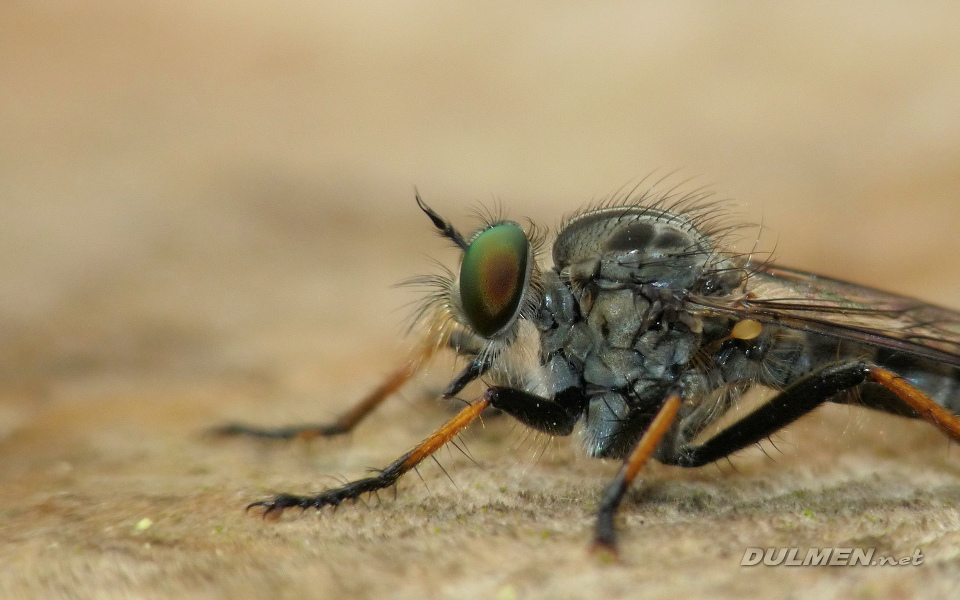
[(204, 208)]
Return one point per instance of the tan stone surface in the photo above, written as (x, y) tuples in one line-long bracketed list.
[(204, 208)]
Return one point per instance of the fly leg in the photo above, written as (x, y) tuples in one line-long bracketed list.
[(546, 415), (553, 416), (463, 344), (275, 506), (343, 424), (803, 396), (605, 536), (928, 409)]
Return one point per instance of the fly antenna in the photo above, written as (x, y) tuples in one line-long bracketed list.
[(446, 229)]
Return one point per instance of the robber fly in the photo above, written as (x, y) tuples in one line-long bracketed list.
[(644, 332)]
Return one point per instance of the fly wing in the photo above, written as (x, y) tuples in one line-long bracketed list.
[(810, 302)]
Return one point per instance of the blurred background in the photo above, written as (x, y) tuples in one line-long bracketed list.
[(204, 205)]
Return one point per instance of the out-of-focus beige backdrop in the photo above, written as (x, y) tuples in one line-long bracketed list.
[(203, 207)]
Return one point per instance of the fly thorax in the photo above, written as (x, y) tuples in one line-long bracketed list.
[(666, 355), (634, 245), (638, 343), (627, 385)]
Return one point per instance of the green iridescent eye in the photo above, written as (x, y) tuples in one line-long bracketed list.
[(493, 276)]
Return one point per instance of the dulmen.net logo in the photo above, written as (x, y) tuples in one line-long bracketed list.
[(829, 557)]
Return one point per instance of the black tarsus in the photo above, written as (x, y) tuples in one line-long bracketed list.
[(274, 506), (605, 534), (278, 433)]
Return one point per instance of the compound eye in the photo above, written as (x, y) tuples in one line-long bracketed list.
[(493, 276)]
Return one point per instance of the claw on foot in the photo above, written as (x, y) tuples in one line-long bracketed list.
[(271, 512), (274, 507)]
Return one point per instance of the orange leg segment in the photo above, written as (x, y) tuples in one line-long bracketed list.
[(275, 506), (605, 536), (348, 420), (929, 410)]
